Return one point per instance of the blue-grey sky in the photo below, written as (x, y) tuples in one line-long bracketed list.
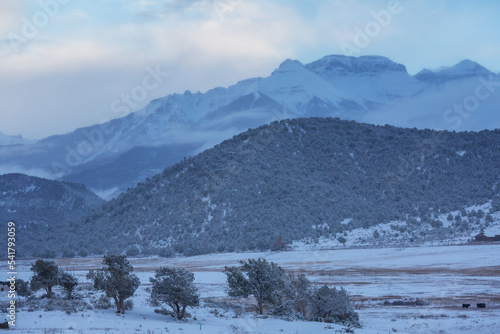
[(69, 63)]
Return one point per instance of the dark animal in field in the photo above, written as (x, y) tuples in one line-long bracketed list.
[(465, 305), (4, 325), (481, 305)]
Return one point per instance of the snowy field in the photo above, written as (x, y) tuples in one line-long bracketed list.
[(441, 277)]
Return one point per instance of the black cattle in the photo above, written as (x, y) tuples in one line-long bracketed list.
[(4, 325), (481, 305), (465, 305)]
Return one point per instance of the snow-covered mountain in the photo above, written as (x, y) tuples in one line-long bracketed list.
[(112, 156), (464, 97), (376, 79), (463, 70), (13, 140)]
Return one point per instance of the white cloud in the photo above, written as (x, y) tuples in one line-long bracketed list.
[(71, 80), (8, 169), (10, 12), (73, 70), (75, 14)]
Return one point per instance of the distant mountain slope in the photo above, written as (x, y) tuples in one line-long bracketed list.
[(371, 89), (300, 178), (463, 70), (39, 207), (130, 168), (376, 79), (13, 140)]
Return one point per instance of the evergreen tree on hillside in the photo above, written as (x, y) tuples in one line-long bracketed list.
[(495, 204), (342, 240)]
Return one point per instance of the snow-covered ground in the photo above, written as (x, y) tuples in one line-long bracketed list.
[(442, 277), (400, 234)]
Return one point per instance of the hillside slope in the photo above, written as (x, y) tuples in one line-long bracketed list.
[(300, 178), (40, 206)]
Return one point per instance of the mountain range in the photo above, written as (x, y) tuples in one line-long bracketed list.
[(111, 157)]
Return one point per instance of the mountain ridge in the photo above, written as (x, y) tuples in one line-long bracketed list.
[(464, 69), (370, 89)]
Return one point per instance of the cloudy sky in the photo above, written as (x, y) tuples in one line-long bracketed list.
[(68, 63)]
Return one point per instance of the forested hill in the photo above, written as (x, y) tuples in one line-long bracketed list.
[(39, 207), (296, 178), (33, 200)]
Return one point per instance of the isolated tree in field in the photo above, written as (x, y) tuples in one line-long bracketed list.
[(45, 276), (175, 288), (342, 240), (115, 279), (68, 282), (264, 280), (332, 305)]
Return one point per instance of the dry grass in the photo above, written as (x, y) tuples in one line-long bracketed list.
[(491, 271)]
